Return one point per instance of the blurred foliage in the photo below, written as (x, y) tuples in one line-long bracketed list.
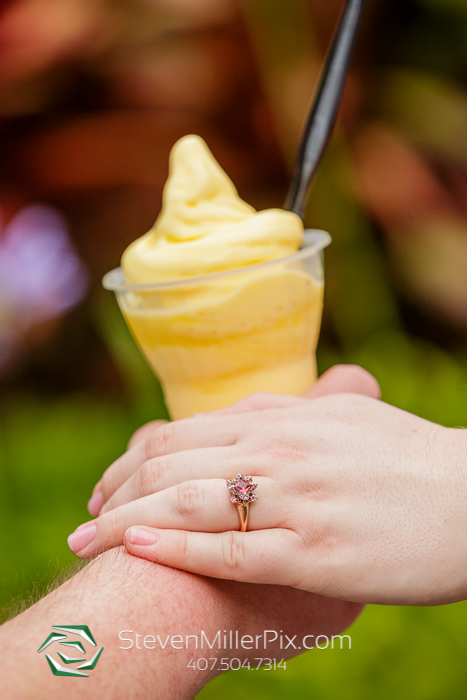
[(415, 653), (392, 190), (52, 452)]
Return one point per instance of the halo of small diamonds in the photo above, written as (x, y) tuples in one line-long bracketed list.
[(241, 489)]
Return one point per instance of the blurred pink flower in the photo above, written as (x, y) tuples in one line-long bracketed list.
[(41, 273)]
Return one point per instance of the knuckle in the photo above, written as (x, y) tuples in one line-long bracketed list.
[(160, 441), (113, 523), (320, 540), (147, 478), (188, 498), (182, 545), (233, 552), (144, 431)]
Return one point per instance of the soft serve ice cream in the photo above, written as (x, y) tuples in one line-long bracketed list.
[(214, 338), (204, 226)]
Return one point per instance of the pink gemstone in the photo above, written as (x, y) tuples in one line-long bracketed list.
[(242, 486)]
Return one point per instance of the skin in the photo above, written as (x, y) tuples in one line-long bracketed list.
[(375, 511), (118, 592), (358, 500)]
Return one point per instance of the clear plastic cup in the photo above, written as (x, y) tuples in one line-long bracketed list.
[(215, 339)]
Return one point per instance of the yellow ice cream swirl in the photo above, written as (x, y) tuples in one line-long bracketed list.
[(204, 226)]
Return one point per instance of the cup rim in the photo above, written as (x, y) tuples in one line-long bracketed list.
[(314, 241)]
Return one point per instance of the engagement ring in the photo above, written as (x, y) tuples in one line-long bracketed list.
[(241, 493)]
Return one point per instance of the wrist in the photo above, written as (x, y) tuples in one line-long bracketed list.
[(451, 450), (117, 592)]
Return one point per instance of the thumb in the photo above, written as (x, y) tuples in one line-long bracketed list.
[(345, 379), (340, 379)]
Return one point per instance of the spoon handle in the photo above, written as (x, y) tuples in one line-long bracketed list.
[(324, 111)]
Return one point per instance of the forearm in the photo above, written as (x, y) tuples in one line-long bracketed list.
[(115, 592)]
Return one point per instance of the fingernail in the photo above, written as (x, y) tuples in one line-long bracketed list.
[(95, 503), (83, 525), (142, 537), (80, 539)]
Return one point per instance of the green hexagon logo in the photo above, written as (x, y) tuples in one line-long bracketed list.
[(72, 639)]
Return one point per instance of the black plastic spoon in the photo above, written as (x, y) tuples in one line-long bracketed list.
[(323, 114)]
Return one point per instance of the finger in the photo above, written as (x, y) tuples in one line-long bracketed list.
[(264, 556), (202, 505), (345, 379), (121, 470), (161, 473), (97, 499), (177, 436), (259, 401), (207, 430), (144, 432)]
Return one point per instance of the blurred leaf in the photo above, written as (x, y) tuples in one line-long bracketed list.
[(357, 293), (457, 5), (430, 111), (430, 257), (282, 36), (417, 376)]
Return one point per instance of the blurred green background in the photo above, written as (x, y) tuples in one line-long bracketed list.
[(90, 104)]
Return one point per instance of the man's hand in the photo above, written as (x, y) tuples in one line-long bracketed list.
[(117, 592)]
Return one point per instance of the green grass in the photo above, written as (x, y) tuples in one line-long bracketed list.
[(52, 453), (408, 653)]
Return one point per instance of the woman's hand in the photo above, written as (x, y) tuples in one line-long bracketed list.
[(339, 379), (356, 500)]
